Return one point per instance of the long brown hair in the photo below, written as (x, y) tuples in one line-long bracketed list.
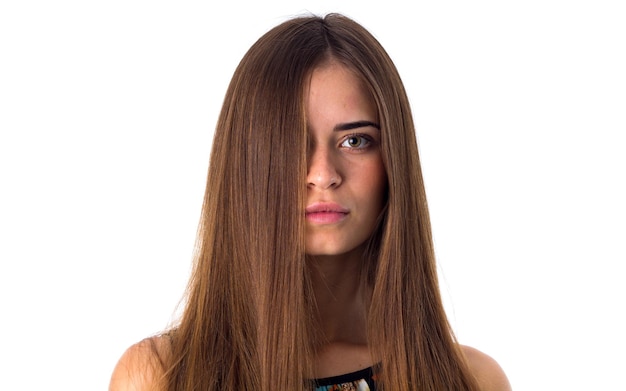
[(249, 316)]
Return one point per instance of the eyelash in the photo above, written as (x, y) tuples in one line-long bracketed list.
[(363, 137)]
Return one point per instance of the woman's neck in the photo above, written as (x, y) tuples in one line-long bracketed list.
[(341, 297)]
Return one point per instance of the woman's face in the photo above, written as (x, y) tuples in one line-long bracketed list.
[(346, 180)]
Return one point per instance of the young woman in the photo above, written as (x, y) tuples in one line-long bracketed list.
[(315, 266)]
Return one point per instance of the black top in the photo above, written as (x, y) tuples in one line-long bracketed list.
[(362, 380)]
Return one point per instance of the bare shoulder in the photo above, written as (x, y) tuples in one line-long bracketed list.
[(487, 371), (141, 366)]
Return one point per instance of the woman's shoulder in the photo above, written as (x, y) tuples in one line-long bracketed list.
[(487, 371), (141, 366)]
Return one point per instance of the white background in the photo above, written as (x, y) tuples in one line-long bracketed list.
[(106, 116)]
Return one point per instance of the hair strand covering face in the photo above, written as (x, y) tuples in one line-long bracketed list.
[(248, 321)]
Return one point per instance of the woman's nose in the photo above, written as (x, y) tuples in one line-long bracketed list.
[(322, 171)]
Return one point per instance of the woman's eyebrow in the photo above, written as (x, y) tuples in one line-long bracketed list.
[(355, 125)]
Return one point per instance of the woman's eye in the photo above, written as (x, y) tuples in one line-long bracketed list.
[(355, 141)]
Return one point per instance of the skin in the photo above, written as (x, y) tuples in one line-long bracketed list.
[(345, 169), (345, 166)]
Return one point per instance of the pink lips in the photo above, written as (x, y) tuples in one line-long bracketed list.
[(325, 212)]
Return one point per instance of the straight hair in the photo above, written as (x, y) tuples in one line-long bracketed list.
[(249, 317)]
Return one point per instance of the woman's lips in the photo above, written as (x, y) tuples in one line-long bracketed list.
[(325, 213)]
